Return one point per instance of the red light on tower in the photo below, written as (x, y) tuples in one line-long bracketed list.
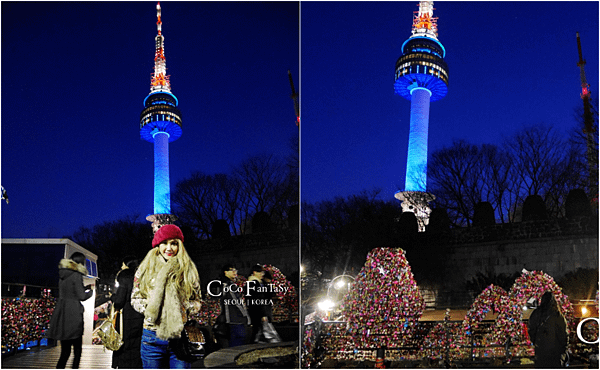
[(585, 92)]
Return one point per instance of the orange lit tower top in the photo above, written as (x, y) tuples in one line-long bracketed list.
[(160, 80)]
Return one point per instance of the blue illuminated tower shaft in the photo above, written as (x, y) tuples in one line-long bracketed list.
[(162, 187), (160, 123), (416, 163)]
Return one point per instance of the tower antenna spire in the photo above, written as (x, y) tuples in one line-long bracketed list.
[(158, 22), (160, 80), (424, 23)]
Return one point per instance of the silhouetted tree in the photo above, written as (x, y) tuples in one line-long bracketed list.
[(543, 164), (465, 174), (268, 186), (535, 160), (200, 200), (114, 240), (455, 179), (337, 234), (262, 183)]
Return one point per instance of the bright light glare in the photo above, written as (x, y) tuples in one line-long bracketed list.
[(584, 310), (326, 304), (340, 284)]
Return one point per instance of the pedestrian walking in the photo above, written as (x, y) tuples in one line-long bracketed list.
[(66, 323), (128, 356), (256, 301), (267, 331), (548, 333), (233, 322)]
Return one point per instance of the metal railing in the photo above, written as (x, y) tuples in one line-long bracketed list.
[(323, 340)]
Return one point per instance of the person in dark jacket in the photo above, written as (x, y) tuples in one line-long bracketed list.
[(256, 301), (269, 296), (234, 320), (269, 335), (548, 333), (128, 356), (66, 323)]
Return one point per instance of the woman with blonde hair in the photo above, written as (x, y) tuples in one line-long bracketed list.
[(166, 290)]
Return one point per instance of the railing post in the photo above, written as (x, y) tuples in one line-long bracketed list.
[(472, 346), (380, 358), (507, 349)]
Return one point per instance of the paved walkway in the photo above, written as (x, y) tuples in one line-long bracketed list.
[(95, 357), (92, 357)]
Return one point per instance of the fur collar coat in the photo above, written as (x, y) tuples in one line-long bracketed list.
[(165, 311), (67, 318)]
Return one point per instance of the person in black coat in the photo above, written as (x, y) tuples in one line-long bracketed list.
[(269, 296), (66, 323), (233, 321), (255, 301), (128, 356), (548, 333)]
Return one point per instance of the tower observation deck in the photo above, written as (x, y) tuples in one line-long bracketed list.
[(160, 124), (421, 76)]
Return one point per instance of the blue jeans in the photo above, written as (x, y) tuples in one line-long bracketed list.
[(157, 354), (237, 335)]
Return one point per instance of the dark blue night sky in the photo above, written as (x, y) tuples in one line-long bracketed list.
[(74, 78), (511, 64)]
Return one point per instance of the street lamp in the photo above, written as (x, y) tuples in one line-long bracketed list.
[(339, 282), (326, 304)]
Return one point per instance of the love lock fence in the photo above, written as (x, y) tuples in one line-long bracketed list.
[(432, 343)]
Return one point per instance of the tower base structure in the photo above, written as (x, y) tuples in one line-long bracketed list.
[(416, 202), (160, 220)]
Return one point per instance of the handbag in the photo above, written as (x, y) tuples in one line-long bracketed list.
[(110, 337), (195, 343)]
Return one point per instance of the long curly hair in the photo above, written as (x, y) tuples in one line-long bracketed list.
[(185, 275)]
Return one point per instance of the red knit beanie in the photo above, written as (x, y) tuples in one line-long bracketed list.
[(165, 233)]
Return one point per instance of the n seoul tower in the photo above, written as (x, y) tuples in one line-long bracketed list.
[(160, 123), (421, 77)]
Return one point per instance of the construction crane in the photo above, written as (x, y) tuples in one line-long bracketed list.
[(588, 124), (294, 97), (3, 194)]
